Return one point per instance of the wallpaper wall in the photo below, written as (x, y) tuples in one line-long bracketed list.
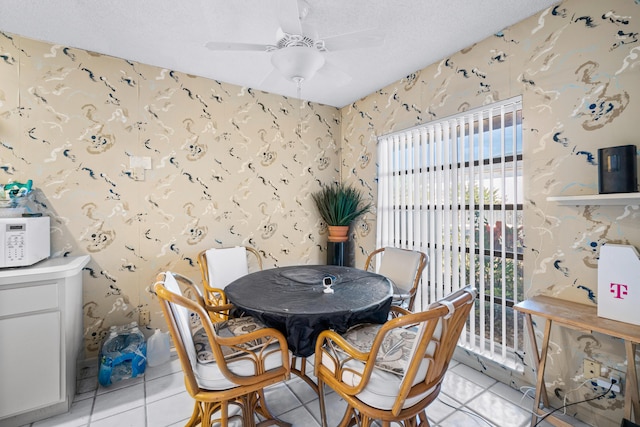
[(577, 66), (229, 166)]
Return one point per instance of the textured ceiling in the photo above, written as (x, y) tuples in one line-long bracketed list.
[(173, 35)]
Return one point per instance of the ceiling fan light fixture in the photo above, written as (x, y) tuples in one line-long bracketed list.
[(297, 62)]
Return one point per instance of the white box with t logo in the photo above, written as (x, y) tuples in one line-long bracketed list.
[(619, 283)]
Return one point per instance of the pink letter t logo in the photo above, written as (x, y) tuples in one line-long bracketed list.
[(618, 290)]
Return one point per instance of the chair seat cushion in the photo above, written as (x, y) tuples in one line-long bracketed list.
[(238, 360), (383, 387), (228, 328), (395, 350)]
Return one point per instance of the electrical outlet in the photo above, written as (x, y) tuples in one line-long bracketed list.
[(591, 369), (145, 318), (613, 383)]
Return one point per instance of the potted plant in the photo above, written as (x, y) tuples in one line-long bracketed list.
[(339, 205)]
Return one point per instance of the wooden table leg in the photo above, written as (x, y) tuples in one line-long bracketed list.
[(631, 401), (540, 359)]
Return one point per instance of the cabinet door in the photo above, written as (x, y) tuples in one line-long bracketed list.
[(30, 362)]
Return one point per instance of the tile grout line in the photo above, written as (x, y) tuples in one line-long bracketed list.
[(486, 384)]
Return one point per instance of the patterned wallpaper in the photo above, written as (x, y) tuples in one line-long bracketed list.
[(229, 166), (577, 66)]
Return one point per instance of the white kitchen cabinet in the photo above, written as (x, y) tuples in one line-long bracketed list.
[(41, 336)]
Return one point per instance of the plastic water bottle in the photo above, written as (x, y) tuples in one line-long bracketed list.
[(123, 354), (158, 348)]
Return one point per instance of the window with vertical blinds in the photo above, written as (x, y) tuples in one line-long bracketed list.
[(452, 188)]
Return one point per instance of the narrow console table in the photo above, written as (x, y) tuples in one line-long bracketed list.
[(40, 338), (583, 318)]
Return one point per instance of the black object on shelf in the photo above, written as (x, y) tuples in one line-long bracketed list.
[(617, 170), (340, 253), (627, 423)]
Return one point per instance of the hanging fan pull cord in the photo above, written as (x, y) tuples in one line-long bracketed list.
[(298, 81)]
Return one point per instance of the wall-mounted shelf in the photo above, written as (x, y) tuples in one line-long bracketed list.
[(620, 199)]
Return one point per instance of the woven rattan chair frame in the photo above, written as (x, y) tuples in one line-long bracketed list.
[(357, 412), (248, 394)]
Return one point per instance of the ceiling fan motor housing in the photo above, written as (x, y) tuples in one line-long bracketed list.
[(297, 62)]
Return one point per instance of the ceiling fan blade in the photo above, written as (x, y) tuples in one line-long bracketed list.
[(289, 16), (357, 40), (334, 74), (236, 46), (272, 79)]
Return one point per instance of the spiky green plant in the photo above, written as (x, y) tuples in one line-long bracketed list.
[(340, 204)]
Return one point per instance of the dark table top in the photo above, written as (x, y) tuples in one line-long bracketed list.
[(292, 300)]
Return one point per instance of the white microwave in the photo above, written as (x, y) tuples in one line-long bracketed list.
[(25, 240)]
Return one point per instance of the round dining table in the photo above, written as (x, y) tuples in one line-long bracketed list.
[(293, 300)]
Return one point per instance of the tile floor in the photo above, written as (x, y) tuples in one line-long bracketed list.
[(468, 398)]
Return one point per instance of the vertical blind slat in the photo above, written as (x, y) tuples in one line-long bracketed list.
[(492, 316), (432, 214), (480, 226), (503, 220), (446, 208), (382, 203), (439, 211), (396, 196), (424, 211), (417, 166), (455, 208), (472, 240), (514, 222)]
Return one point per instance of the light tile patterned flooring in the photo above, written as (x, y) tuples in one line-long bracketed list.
[(468, 398)]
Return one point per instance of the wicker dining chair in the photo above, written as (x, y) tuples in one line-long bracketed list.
[(403, 267), (221, 266), (392, 372), (224, 363)]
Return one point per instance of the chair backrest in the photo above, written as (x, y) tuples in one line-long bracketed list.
[(177, 310), (438, 331), (221, 266), (403, 266)]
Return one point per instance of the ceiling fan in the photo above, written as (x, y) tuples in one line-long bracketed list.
[(297, 53)]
